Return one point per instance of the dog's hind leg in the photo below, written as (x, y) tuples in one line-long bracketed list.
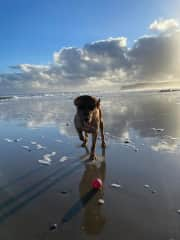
[(101, 125), (86, 138), (102, 134)]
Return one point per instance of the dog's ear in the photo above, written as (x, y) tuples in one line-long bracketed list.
[(98, 103), (77, 101)]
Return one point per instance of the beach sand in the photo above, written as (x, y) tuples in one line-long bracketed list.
[(45, 178)]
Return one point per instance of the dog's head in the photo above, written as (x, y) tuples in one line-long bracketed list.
[(86, 105)]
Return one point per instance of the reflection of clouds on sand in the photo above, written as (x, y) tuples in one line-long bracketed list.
[(35, 113), (115, 107), (67, 130), (125, 135), (143, 113), (165, 145)]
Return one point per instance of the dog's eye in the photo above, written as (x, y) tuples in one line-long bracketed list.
[(91, 107), (86, 108)]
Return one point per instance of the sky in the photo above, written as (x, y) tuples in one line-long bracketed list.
[(52, 44)]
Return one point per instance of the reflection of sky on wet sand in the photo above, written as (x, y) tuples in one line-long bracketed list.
[(150, 123)]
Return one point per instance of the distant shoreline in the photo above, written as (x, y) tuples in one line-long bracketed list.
[(169, 90), (70, 93), (4, 98)]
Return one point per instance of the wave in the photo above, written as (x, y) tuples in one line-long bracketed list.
[(69, 94), (36, 95)]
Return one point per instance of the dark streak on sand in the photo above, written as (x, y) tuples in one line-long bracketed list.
[(32, 188)]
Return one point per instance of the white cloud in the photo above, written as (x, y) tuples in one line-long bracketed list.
[(153, 61), (164, 25)]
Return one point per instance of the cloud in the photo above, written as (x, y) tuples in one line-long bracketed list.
[(156, 59), (101, 61), (152, 62), (164, 25)]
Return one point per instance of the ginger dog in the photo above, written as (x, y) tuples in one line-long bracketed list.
[(88, 119)]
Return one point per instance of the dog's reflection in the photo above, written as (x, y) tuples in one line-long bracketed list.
[(93, 218)]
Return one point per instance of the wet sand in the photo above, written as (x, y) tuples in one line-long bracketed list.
[(45, 178)]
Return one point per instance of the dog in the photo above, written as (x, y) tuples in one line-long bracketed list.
[(88, 119)]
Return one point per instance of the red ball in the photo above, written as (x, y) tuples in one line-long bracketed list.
[(97, 183)]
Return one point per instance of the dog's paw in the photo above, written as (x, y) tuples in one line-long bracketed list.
[(103, 145), (84, 144), (93, 157)]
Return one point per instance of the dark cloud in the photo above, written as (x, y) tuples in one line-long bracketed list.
[(156, 56)]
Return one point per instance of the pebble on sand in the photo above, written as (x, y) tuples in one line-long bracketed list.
[(63, 159), (39, 147), (43, 161), (64, 192), (26, 148), (53, 226), (158, 129), (101, 201), (17, 139), (178, 211), (115, 185), (148, 187)]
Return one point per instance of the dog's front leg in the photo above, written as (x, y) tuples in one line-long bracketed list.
[(94, 138), (82, 138), (84, 144)]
